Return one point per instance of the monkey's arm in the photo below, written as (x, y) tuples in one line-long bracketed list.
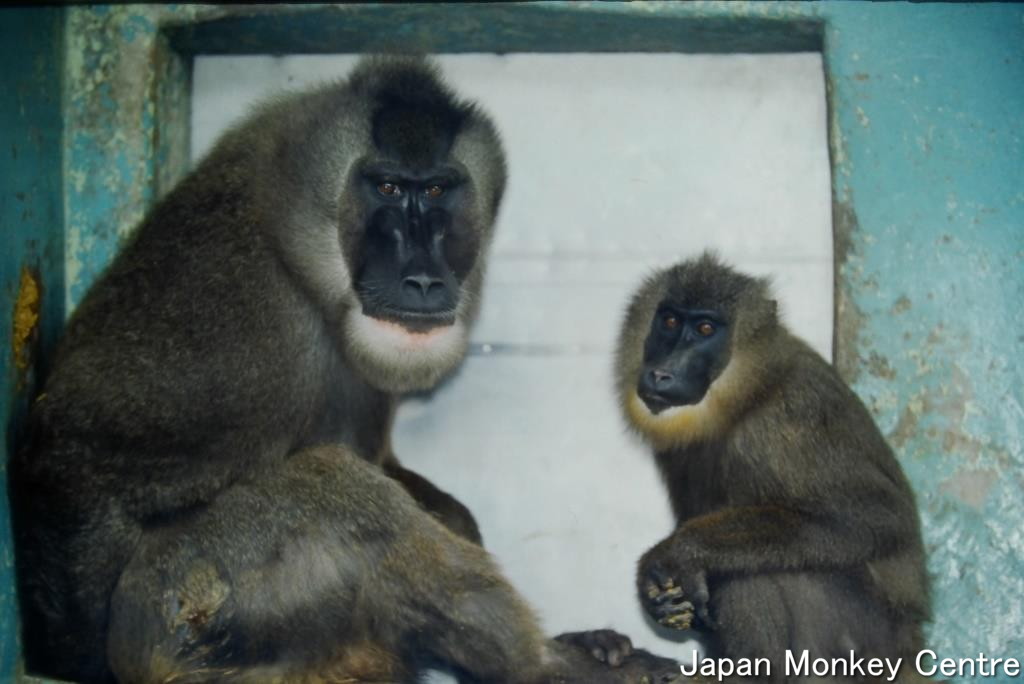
[(673, 575), (809, 484), (446, 508), (770, 537), (825, 502)]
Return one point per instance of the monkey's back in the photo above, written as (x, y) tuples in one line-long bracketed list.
[(192, 344), (193, 333)]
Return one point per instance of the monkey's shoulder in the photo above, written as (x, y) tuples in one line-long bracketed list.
[(809, 422), (811, 399)]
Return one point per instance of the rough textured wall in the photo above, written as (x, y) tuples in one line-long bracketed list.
[(928, 103), (126, 134), (32, 257), (928, 183)]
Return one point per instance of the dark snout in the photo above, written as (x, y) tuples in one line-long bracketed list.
[(406, 278), (428, 286), (661, 388), (425, 293)]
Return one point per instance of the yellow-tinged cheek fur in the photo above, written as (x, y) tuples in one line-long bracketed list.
[(703, 421)]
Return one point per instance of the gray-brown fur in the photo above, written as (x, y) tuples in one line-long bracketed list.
[(176, 519), (797, 528)]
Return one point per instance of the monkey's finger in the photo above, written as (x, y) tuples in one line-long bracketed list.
[(619, 652), (678, 625), (614, 655), (613, 646), (677, 606), (678, 621), (676, 615), (672, 595), (661, 576), (682, 606)]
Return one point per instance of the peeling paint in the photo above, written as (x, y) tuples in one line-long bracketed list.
[(879, 366), (848, 318), (116, 79), (862, 118), (901, 305), (906, 426)]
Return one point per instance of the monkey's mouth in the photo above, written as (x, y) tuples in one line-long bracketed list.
[(654, 402), (414, 322), (658, 403)]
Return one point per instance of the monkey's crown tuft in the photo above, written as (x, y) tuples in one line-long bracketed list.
[(706, 282), (415, 116)]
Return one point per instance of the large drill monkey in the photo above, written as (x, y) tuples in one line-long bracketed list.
[(797, 528), (177, 520)]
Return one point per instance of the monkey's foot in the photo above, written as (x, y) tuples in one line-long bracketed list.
[(580, 662), (643, 667), (607, 645)]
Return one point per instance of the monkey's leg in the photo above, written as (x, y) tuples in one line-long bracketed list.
[(65, 585), (448, 510), (324, 567), (828, 615), (442, 505)]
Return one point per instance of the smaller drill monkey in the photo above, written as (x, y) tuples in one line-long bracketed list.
[(796, 527)]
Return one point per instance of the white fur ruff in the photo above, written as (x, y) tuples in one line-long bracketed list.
[(414, 360)]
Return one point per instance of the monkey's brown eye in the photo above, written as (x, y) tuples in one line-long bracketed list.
[(433, 191), (670, 321), (388, 189), (706, 329)]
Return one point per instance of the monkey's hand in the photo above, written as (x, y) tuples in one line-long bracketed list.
[(607, 645), (673, 589), (578, 653)]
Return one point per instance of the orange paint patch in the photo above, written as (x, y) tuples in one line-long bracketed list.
[(25, 321)]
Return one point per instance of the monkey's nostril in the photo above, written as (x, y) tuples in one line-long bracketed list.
[(422, 284), (660, 377)]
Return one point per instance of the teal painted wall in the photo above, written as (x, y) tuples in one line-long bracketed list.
[(32, 259), (927, 105)]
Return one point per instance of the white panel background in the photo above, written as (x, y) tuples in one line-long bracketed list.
[(618, 163)]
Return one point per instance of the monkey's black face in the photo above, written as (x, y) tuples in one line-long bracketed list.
[(415, 252), (684, 351), (416, 213)]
